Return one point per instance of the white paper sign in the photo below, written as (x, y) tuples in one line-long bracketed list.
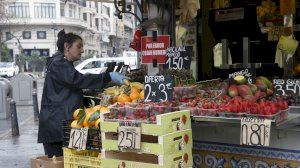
[(78, 138), (129, 136), (255, 131)]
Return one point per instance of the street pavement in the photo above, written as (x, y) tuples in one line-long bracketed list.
[(15, 152)]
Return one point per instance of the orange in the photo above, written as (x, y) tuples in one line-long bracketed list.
[(142, 94), (134, 95), (97, 108), (75, 125), (124, 98), (135, 89), (75, 114), (88, 110), (104, 109)]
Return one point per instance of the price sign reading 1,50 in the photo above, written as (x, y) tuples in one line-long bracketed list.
[(286, 86), (158, 88), (179, 57)]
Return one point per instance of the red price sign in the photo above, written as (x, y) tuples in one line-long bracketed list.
[(155, 49)]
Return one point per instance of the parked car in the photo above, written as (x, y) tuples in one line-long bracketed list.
[(98, 65), (8, 69)]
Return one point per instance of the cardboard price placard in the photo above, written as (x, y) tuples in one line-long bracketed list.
[(249, 74), (129, 136), (286, 87), (255, 131), (78, 138), (158, 88), (179, 57)]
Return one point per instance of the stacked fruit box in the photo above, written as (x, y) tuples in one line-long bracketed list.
[(165, 143), (79, 159)]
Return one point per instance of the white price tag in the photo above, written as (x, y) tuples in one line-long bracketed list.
[(129, 136), (78, 138), (255, 131)]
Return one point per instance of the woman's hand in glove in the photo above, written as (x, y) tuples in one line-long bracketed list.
[(117, 77)]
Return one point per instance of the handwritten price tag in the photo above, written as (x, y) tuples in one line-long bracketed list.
[(286, 87), (78, 138), (249, 74), (179, 57), (129, 136), (158, 88), (255, 131)]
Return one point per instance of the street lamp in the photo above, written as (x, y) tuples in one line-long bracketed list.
[(126, 8)]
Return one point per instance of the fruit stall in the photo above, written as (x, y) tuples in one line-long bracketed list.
[(241, 115)]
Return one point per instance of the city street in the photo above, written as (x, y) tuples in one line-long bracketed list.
[(16, 152)]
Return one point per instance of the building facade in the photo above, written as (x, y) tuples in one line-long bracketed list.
[(32, 25)]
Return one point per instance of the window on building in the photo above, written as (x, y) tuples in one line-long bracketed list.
[(105, 10), (102, 25), (91, 22), (8, 36), (72, 11), (97, 23), (62, 9), (44, 10), (84, 16), (79, 13), (41, 34), (19, 10), (26, 35)]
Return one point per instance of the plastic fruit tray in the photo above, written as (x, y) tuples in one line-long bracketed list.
[(164, 123), (184, 91), (278, 117), (197, 111)]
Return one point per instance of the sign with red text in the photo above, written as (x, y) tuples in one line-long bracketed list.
[(155, 49)]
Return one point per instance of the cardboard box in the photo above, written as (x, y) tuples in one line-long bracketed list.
[(45, 162)]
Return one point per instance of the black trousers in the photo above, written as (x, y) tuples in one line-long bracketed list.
[(53, 148)]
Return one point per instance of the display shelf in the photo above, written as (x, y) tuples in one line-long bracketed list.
[(292, 122)]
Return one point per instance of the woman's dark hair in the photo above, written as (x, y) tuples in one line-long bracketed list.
[(64, 37)]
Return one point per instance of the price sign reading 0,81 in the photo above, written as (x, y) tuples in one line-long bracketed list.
[(285, 87)]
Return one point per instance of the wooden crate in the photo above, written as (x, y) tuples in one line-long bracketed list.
[(159, 145), (112, 159), (165, 123)]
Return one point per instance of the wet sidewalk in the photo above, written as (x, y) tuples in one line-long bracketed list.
[(15, 152)]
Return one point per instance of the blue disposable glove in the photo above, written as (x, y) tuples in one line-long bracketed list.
[(117, 77)]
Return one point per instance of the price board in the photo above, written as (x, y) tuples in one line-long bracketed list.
[(248, 73), (129, 136), (158, 88), (78, 138), (283, 87), (179, 57), (255, 131)]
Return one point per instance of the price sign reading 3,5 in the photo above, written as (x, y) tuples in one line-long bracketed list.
[(255, 131), (286, 86), (129, 136), (78, 138), (158, 88)]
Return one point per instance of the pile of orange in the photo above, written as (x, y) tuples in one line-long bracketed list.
[(134, 95), (88, 117)]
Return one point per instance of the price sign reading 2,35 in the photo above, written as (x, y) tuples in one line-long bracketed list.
[(158, 88), (129, 136), (255, 131), (78, 138)]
